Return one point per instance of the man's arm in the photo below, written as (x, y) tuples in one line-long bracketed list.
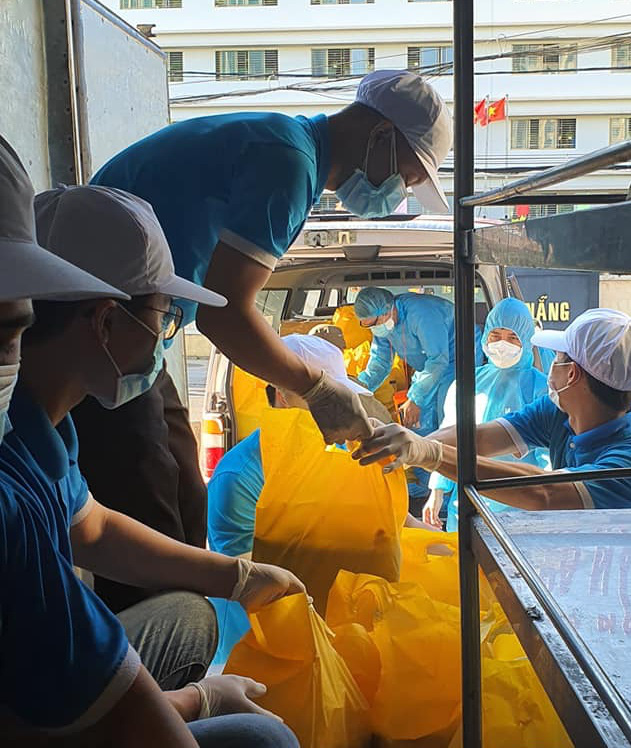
[(379, 365), (240, 331), (118, 547), (551, 496), (492, 439), (141, 718)]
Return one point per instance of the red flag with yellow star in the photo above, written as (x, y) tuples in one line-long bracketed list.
[(496, 111)]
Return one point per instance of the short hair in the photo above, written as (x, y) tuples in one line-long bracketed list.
[(52, 318), (617, 400)]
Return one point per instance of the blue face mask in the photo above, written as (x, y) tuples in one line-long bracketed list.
[(131, 386), (360, 196), (8, 379), (384, 329)]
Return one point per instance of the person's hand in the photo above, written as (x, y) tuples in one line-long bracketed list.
[(230, 694), (432, 508), (410, 414), (260, 584), (337, 411), (405, 446)]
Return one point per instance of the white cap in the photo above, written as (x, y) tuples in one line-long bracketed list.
[(421, 116), (599, 340), (320, 354), (26, 270), (117, 237)]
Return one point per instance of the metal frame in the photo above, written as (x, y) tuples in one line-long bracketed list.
[(515, 241)]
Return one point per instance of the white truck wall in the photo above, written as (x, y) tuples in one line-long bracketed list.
[(23, 114)]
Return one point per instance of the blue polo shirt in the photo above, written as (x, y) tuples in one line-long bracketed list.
[(233, 492), (64, 658), (249, 179), (542, 424)]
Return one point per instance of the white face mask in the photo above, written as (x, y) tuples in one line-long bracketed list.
[(503, 354), (8, 379), (552, 393)]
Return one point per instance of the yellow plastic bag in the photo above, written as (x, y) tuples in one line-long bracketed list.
[(418, 640), (250, 401), (320, 511), (354, 334), (308, 684)]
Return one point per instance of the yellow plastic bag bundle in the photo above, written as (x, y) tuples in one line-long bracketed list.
[(418, 641), (516, 711), (354, 334), (250, 400), (308, 684), (320, 511)]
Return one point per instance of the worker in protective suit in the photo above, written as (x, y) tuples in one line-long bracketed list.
[(506, 384), (420, 329)]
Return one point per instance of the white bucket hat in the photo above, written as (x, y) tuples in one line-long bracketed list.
[(599, 340), (421, 116), (322, 355)]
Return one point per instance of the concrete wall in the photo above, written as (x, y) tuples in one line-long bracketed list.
[(615, 292)]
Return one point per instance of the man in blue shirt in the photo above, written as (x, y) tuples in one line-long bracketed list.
[(584, 422), (232, 193), (66, 665)]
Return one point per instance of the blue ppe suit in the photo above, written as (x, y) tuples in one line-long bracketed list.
[(423, 337), (506, 390)]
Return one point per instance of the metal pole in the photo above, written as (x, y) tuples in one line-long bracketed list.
[(617, 706), (574, 476), (576, 167), (464, 276)]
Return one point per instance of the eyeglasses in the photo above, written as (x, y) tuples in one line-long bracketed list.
[(171, 321)]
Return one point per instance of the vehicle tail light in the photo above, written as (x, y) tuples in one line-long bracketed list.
[(213, 444)]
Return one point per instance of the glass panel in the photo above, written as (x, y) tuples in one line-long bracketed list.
[(271, 305), (318, 62), (549, 139), (519, 133), (257, 63), (359, 61)]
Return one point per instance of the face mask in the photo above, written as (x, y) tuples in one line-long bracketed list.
[(503, 354), (8, 379), (382, 330), (131, 386), (361, 197), (552, 393)]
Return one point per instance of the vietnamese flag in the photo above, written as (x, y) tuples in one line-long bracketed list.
[(497, 110), (480, 115)]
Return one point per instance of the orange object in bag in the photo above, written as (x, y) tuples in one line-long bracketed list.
[(308, 684), (320, 511)]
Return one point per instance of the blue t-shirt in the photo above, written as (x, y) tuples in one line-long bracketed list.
[(233, 492), (542, 424), (249, 179), (64, 658)]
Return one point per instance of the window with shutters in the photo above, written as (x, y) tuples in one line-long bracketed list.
[(619, 129), (543, 58), (140, 4), (544, 134), (621, 55), (433, 60), (342, 2), (243, 3), (245, 64), (327, 203), (338, 63), (175, 66)]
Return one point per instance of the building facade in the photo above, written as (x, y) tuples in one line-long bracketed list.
[(554, 75)]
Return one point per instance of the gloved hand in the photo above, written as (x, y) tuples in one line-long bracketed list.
[(407, 448), (260, 584), (337, 411), (229, 694)]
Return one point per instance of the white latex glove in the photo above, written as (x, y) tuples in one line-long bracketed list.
[(408, 448), (337, 411), (229, 694), (260, 584)]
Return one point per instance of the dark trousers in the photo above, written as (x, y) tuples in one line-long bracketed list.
[(141, 460)]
